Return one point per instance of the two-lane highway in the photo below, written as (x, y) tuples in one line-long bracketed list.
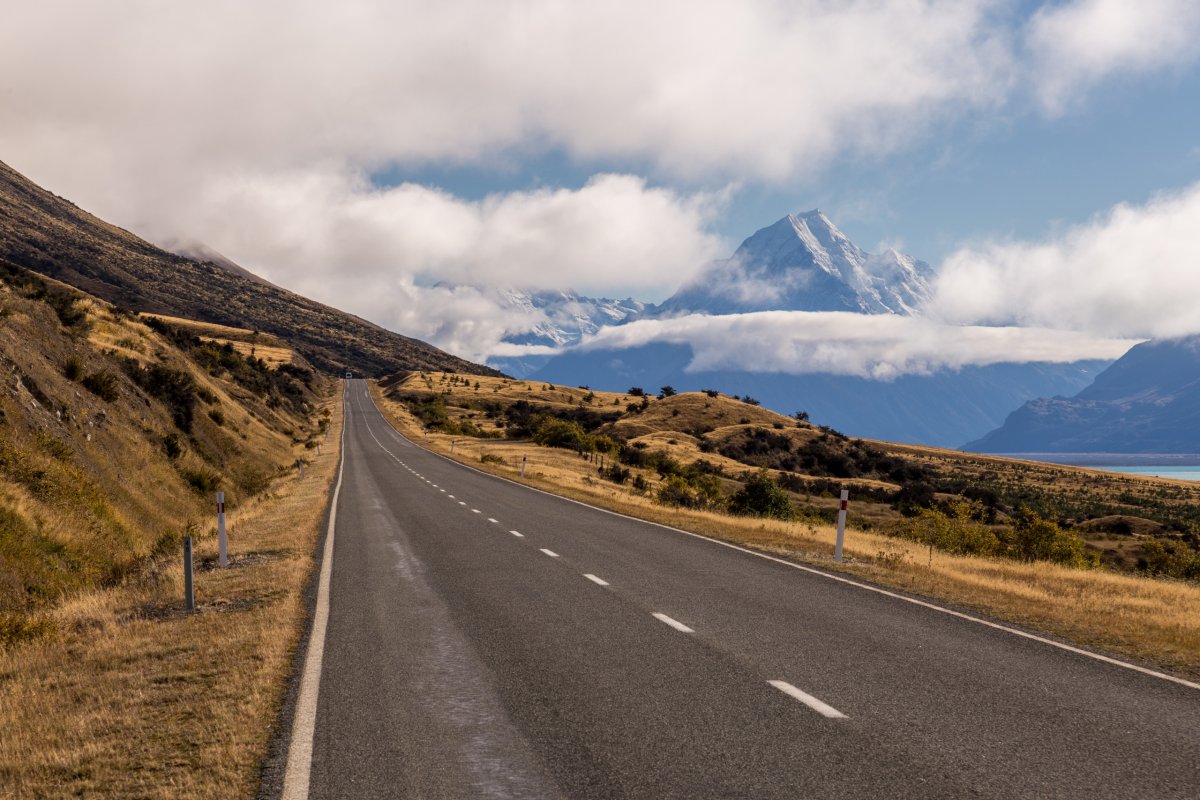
[(484, 639)]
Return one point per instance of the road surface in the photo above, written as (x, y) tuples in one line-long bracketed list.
[(485, 640)]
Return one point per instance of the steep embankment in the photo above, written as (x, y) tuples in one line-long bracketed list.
[(113, 436), (49, 235)]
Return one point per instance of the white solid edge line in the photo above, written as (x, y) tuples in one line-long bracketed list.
[(300, 749), (674, 623), (517, 533), (595, 580), (824, 709), (550, 553), (1116, 662)]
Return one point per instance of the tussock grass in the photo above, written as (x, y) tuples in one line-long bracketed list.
[(134, 698), (1149, 620)]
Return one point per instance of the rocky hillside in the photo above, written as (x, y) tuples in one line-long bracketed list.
[(51, 236)]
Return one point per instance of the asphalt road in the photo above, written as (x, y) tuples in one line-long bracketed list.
[(487, 640)]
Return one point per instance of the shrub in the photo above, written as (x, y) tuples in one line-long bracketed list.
[(172, 445), (615, 473), (73, 368), (103, 384), (217, 416), (711, 392), (1035, 539), (490, 458), (636, 391), (202, 480), (955, 533), (563, 433), (761, 496)]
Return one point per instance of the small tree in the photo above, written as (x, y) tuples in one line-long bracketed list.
[(801, 416), (666, 391), (636, 391)]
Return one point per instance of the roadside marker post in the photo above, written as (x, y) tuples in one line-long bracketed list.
[(222, 542), (841, 533), (189, 593), (300, 464), (522, 466)]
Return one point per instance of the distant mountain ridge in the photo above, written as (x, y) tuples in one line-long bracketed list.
[(1148, 401), (804, 263), (46, 234), (568, 316)]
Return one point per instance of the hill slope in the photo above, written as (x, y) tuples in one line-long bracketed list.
[(1146, 402), (49, 235), (114, 434)]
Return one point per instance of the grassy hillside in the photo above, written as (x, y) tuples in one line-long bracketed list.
[(701, 449), (53, 237), (114, 433)]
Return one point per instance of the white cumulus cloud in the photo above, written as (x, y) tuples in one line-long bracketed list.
[(1132, 272)]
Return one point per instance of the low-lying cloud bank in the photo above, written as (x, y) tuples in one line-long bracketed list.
[(880, 347)]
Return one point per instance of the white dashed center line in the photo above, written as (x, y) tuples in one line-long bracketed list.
[(450, 496), (816, 705), (493, 520), (550, 553), (595, 580), (517, 534), (674, 623), (474, 510), (461, 503)]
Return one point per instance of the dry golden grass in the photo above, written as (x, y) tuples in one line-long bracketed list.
[(134, 698), (1152, 621)]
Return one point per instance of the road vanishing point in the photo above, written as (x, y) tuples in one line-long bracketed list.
[(475, 638)]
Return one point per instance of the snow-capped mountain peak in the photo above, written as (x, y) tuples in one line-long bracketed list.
[(804, 263)]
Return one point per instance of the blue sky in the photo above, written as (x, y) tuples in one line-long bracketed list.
[(408, 160), (1015, 173)]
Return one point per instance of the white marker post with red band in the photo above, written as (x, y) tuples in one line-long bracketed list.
[(221, 541), (841, 534)]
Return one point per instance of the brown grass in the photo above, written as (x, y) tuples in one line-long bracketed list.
[(1149, 620), (135, 698)]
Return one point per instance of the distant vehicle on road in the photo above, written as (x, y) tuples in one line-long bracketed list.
[(349, 374)]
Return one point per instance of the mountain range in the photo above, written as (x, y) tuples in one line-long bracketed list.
[(1148, 401), (802, 262)]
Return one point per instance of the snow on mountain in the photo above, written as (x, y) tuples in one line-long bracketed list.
[(562, 318), (804, 263)]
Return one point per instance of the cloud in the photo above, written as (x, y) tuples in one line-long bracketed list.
[(369, 250), (880, 347), (1131, 272), (751, 88), (1076, 44)]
